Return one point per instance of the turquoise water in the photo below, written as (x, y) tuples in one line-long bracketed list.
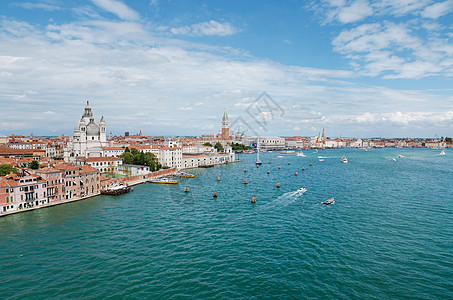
[(389, 234)]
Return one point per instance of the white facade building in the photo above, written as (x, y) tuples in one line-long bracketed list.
[(89, 137)]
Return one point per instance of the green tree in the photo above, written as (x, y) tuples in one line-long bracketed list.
[(448, 139), (136, 157), (207, 144), (218, 146), (34, 164), (6, 169), (127, 157)]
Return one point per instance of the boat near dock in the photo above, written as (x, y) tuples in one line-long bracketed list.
[(164, 180), (185, 175), (116, 190)]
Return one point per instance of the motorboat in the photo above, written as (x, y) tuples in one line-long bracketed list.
[(393, 159), (185, 175), (400, 156), (163, 181), (116, 190), (302, 190), (288, 152), (329, 201), (300, 154), (321, 159), (442, 152), (344, 160)]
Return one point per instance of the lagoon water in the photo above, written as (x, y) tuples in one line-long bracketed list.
[(389, 234)]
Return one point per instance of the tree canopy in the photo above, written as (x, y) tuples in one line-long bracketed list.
[(136, 157), (237, 146), (207, 144), (218, 146), (34, 164), (6, 169)]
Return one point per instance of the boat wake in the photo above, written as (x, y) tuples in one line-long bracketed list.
[(287, 198)]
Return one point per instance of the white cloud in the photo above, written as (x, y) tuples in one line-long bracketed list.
[(206, 28), (118, 8), (393, 51), (128, 71), (30, 5), (438, 9), (358, 10)]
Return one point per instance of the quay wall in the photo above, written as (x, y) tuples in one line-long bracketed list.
[(133, 180)]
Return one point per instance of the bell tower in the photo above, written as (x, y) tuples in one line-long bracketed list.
[(225, 126)]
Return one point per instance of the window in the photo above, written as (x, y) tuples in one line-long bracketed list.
[(7, 199)]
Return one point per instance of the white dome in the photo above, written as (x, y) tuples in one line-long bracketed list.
[(93, 129)]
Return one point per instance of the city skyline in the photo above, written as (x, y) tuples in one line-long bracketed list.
[(356, 68)]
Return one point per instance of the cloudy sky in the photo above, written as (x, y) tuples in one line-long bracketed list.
[(169, 67)]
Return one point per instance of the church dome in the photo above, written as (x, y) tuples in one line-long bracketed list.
[(93, 129)]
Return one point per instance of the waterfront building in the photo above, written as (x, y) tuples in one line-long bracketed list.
[(169, 156), (80, 181), (54, 181), (88, 139), (18, 192), (266, 143), (194, 160)]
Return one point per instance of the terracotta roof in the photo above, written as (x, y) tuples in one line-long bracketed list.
[(48, 170), (88, 169), (4, 182), (113, 148), (65, 167), (9, 161), (110, 158)]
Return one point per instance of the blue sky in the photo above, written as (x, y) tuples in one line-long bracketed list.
[(169, 67)]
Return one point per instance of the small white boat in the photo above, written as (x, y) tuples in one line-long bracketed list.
[(280, 156), (321, 159), (344, 160), (287, 152), (302, 190), (300, 154), (393, 159), (400, 156), (442, 152), (329, 201)]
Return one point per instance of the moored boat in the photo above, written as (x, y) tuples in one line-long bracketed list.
[(116, 190), (185, 175), (163, 181), (300, 154), (288, 152)]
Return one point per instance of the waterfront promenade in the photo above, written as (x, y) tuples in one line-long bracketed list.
[(130, 181)]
